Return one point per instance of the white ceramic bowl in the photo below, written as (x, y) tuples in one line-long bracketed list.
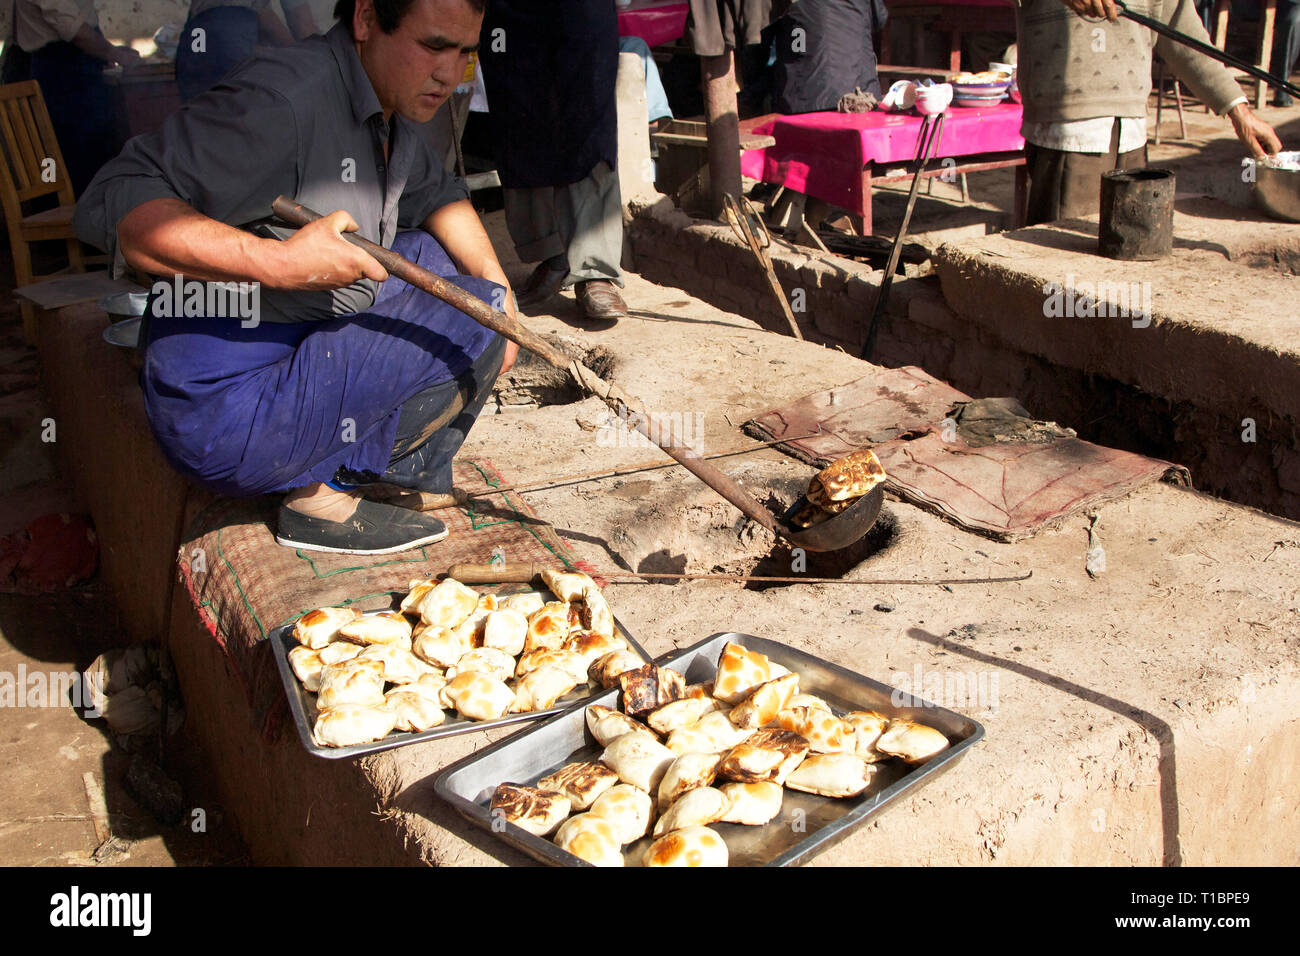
[(933, 100), (900, 97)]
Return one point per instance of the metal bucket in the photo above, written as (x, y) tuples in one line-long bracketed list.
[(1277, 186)]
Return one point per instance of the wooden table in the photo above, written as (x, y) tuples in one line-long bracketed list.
[(953, 17)]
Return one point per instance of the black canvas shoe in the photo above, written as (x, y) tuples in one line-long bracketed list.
[(374, 528)]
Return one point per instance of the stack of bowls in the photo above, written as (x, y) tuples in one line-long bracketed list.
[(980, 90)]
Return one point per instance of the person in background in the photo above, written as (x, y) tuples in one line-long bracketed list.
[(230, 31), (68, 58), (1286, 46), (1085, 83), (550, 70), (824, 49)]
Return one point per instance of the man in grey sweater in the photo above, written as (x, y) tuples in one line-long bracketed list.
[(1085, 76)]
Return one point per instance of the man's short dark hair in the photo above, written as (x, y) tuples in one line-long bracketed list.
[(388, 13)]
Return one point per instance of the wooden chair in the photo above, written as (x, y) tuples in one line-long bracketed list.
[(28, 144)]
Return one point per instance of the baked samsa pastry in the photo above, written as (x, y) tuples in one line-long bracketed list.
[(317, 628), (589, 645), (470, 630), (693, 846), (648, 687), (447, 604), (752, 804), (350, 724), (712, 733), (568, 586), (867, 726), (505, 630), (808, 700), (915, 743), (548, 627), (595, 614), (582, 783), (761, 707), (590, 838), (536, 810), (412, 710), (846, 479), (676, 714), (352, 682), (523, 604), (541, 688), (339, 651), (388, 627), (639, 759), (767, 755), (400, 665), (740, 673), (628, 809), (607, 724), (478, 696), (438, 646), (694, 808), (606, 670), (415, 592), (825, 733), (306, 665), (831, 775), (687, 772), (484, 660), (567, 661)]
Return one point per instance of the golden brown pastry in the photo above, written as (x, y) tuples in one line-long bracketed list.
[(762, 705), (595, 615), (767, 755), (352, 682), (712, 733), (484, 660), (753, 804), (307, 665), (567, 661), (915, 743), (350, 724), (438, 646), (740, 673), (808, 700), (541, 688), (639, 759), (506, 630), (470, 630), (548, 628), (568, 586), (339, 651), (413, 710), (400, 665), (317, 628), (533, 809), (629, 810), (447, 604), (582, 782), (831, 775), (607, 724), (606, 670), (687, 772), (693, 846), (415, 592), (867, 726), (847, 479), (694, 808), (648, 687), (478, 696), (388, 627), (825, 733), (590, 838), (589, 645), (523, 604), (676, 714)]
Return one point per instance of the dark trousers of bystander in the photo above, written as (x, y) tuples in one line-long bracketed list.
[(1065, 185)]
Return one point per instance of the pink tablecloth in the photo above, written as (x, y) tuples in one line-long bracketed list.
[(655, 21), (823, 154)]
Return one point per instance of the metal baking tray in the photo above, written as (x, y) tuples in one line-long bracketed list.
[(808, 824), (302, 703)]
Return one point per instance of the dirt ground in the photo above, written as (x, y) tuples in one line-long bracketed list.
[(1189, 637)]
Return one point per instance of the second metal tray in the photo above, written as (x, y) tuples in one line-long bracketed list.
[(807, 825)]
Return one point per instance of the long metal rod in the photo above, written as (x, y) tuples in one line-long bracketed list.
[(468, 573), (930, 135), (1209, 50)]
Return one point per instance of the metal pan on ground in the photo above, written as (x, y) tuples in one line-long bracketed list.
[(838, 531), (302, 703), (807, 824)]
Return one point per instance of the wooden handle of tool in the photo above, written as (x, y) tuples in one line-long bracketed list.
[(494, 573), (478, 310)]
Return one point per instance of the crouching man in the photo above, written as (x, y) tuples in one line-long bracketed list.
[(342, 375)]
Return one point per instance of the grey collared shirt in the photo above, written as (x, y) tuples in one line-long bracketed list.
[(301, 121)]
